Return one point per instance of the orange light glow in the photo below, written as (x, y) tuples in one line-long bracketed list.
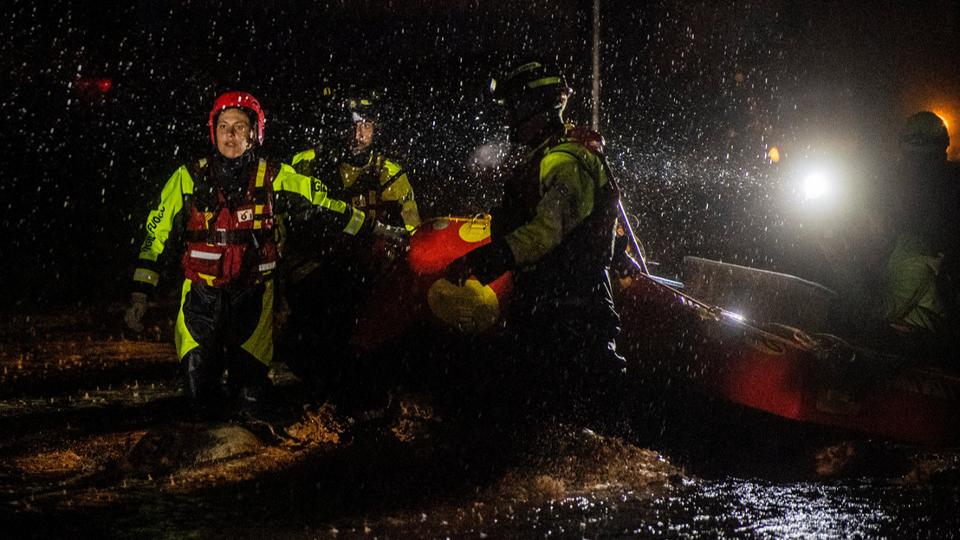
[(774, 154), (943, 102), (943, 116)]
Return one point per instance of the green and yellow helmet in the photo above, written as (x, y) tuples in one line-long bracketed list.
[(362, 108), (530, 88), (532, 78)]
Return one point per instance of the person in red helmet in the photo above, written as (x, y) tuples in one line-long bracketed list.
[(221, 209)]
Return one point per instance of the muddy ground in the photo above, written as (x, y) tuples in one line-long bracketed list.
[(96, 442)]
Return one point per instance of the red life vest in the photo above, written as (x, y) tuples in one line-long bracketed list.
[(233, 246)]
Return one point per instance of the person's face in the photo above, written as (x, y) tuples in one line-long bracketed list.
[(362, 135), (234, 133)]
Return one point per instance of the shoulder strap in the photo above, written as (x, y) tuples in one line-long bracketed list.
[(384, 186)]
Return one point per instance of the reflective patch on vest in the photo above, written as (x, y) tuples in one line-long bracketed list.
[(267, 266), (146, 276), (245, 215), (356, 221), (205, 255), (261, 172)]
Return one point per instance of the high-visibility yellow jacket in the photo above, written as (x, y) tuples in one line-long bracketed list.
[(558, 216), (911, 298), (380, 187), (304, 200)]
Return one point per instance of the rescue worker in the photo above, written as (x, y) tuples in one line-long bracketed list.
[(220, 212), (556, 232), (917, 293), (336, 278), (896, 281), (368, 179)]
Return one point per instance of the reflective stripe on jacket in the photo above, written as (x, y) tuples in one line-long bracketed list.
[(303, 198), (380, 187)]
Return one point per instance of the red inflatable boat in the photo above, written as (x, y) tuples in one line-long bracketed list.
[(773, 368)]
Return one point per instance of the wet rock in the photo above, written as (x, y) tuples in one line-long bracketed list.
[(835, 460), (168, 449), (877, 459)]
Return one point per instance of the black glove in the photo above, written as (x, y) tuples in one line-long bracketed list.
[(133, 316), (486, 263), (389, 243), (394, 236)]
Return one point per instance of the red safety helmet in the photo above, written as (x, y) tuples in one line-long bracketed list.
[(237, 100)]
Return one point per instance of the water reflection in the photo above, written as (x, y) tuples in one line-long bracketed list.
[(801, 510), (758, 509), (750, 508)]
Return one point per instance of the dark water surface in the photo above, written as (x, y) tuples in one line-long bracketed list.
[(750, 508), (850, 509)]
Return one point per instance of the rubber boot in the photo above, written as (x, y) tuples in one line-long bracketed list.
[(201, 383), (255, 384), (247, 381), (604, 404)]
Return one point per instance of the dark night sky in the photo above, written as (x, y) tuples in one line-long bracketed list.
[(693, 95)]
